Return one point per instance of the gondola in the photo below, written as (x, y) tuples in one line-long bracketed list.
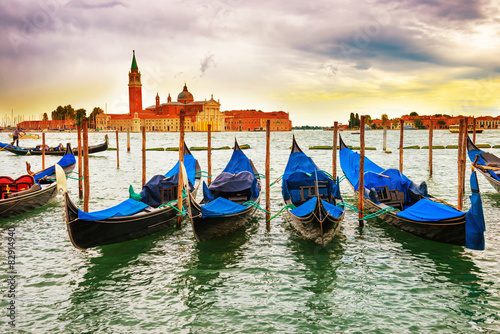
[(229, 201), (135, 217), (51, 151), (315, 196), (33, 190), (488, 164), (409, 207)]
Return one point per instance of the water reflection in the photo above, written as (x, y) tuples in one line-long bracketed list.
[(208, 261)]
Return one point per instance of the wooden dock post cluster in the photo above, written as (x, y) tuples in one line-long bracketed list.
[(361, 184)]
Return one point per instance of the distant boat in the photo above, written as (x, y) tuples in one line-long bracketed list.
[(455, 128), (28, 136), (409, 127)]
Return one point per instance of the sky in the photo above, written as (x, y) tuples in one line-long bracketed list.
[(317, 60)]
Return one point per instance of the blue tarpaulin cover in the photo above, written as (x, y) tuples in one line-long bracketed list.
[(308, 207), (221, 207), (238, 163), (301, 171), (65, 161), (189, 163), (474, 220), (238, 176), (427, 210), (125, 208), (349, 162), (151, 192)]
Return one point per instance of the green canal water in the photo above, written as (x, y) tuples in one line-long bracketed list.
[(372, 280)]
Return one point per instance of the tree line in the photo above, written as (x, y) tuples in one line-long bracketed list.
[(69, 113), (354, 121)]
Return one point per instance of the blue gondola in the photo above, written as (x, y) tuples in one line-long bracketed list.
[(229, 202), (488, 164), (409, 207), (315, 196)]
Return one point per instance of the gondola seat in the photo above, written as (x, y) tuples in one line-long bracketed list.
[(9, 185)]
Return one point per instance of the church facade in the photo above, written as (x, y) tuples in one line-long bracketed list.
[(166, 116)]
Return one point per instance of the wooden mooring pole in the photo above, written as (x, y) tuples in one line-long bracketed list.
[(43, 150), (117, 151), (128, 140), (143, 155), (209, 153), (361, 184), (401, 136), (86, 180), (459, 162), (268, 187), (384, 143), (474, 123), (334, 154), (181, 160), (431, 134), (80, 162)]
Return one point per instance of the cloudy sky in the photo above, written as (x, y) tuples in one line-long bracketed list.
[(318, 60)]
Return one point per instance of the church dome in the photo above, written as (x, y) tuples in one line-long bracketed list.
[(185, 96)]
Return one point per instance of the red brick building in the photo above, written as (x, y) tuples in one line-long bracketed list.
[(252, 120)]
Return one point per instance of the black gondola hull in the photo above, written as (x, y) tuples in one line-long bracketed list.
[(311, 228), (32, 151), (87, 234), (450, 231), (210, 228), (24, 203)]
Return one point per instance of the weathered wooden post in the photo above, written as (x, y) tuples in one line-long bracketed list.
[(143, 155), (459, 160), (401, 135), (384, 144), (86, 180), (80, 162), (209, 153), (334, 154), (180, 185), (361, 183), (474, 123), (128, 140), (43, 150), (431, 133), (268, 158), (117, 151)]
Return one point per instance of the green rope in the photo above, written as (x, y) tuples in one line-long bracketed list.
[(378, 213), (251, 203), (328, 174), (344, 204), (202, 173), (181, 213), (290, 206), (342, 178), (276, 181), (73, 178), (260, 175), (369, 216)]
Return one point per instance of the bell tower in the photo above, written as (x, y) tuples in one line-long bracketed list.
[(134, 88)]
